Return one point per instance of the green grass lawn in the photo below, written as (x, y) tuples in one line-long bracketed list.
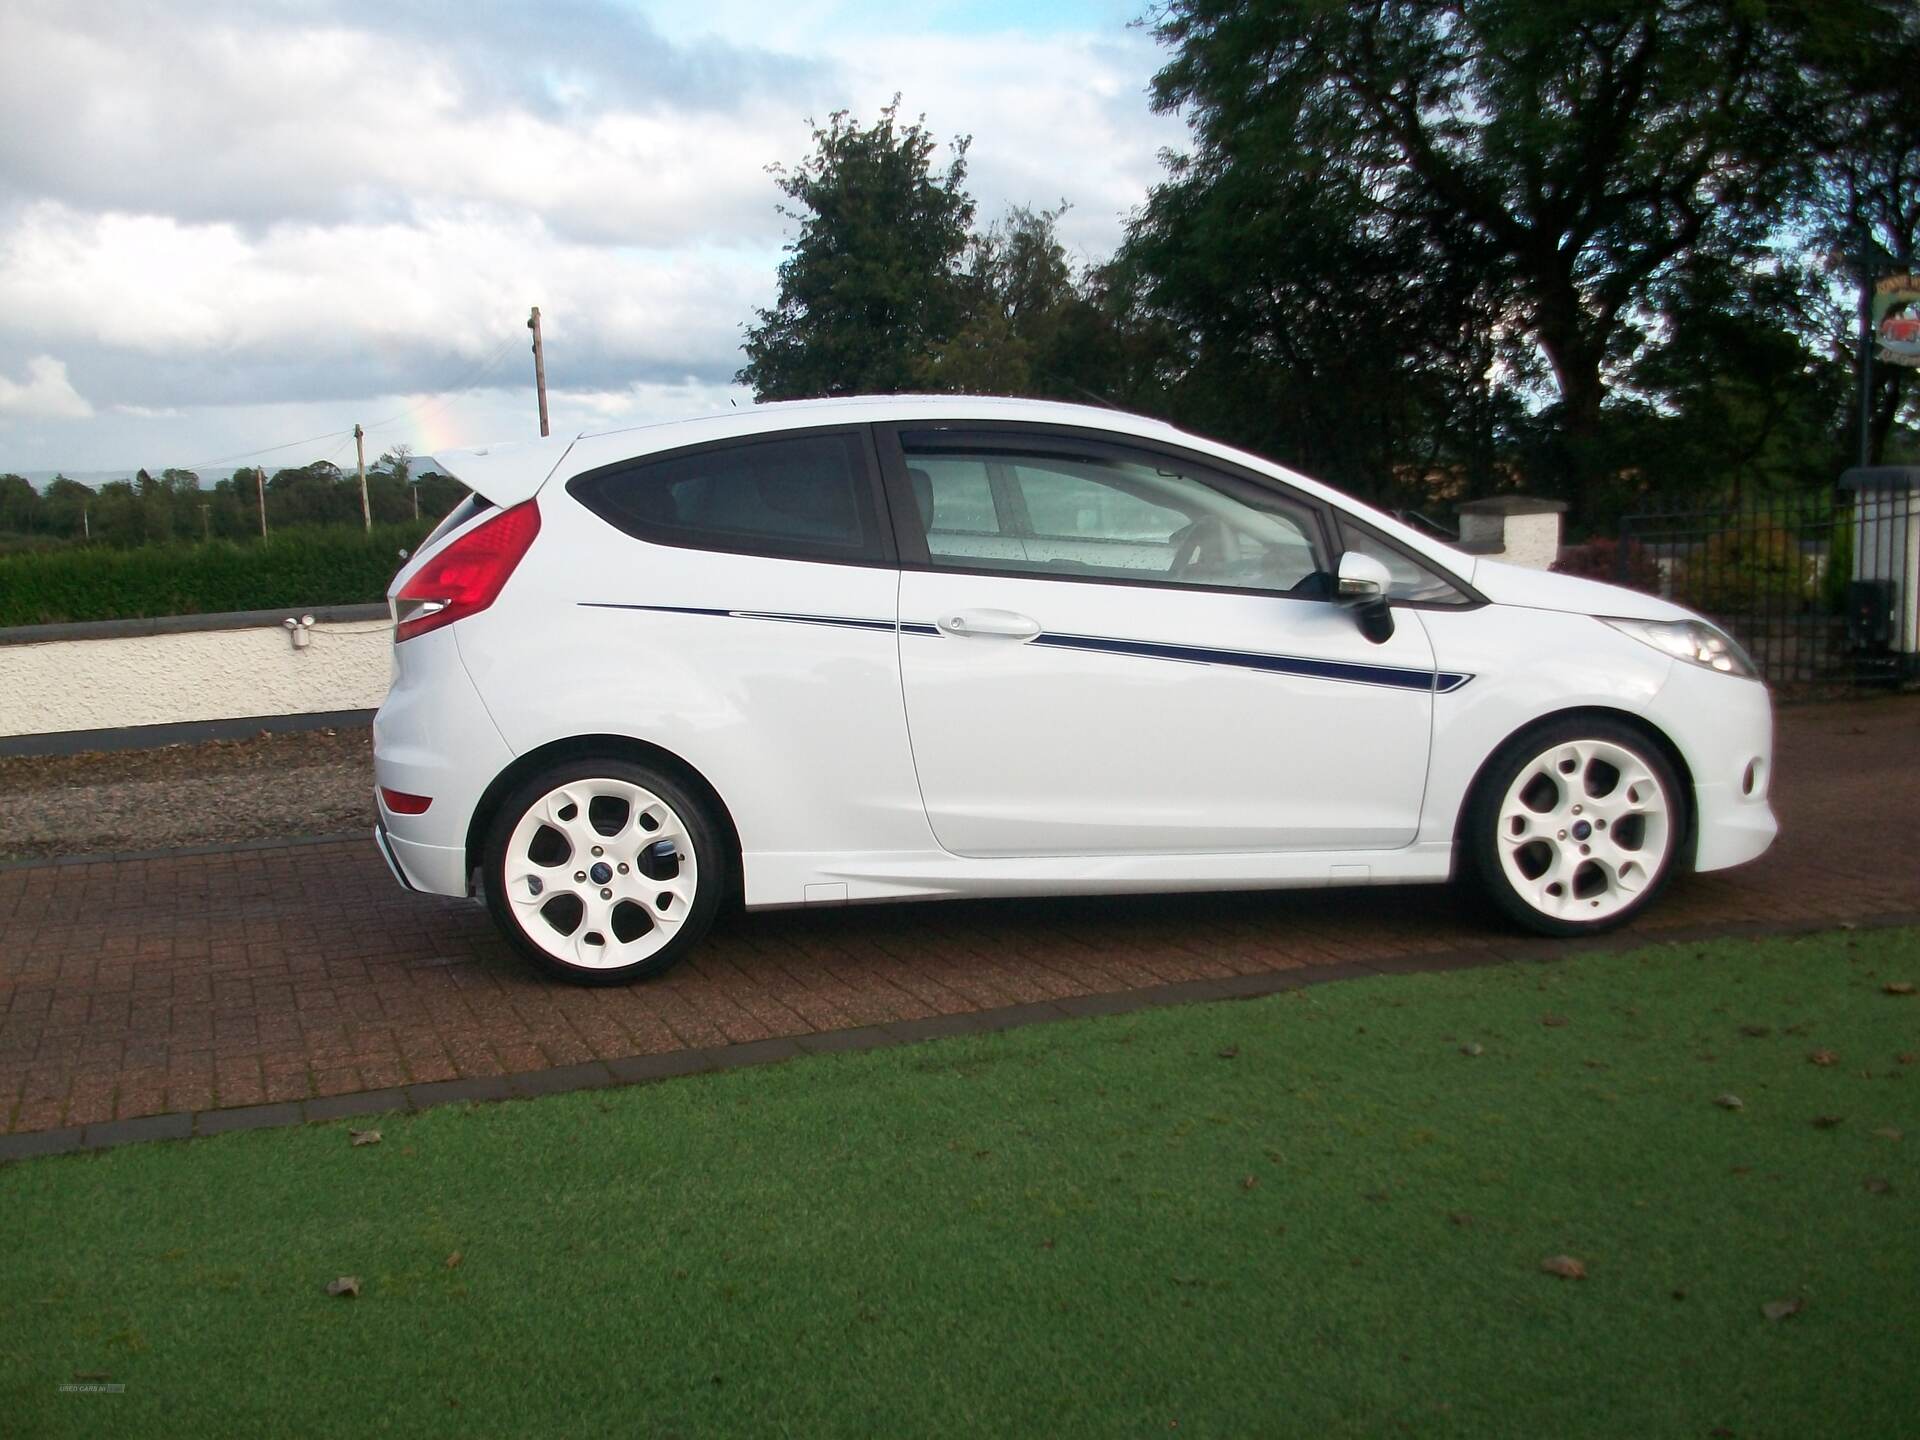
[(1314, 1214)]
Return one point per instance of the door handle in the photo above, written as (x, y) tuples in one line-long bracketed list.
[(1003, 624)]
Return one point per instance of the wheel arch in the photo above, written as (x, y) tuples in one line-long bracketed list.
[(1663, 742), (615, 747)]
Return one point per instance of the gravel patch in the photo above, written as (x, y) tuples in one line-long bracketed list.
[(318, 782)]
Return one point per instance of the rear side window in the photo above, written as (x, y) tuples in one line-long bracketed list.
[(807, 497)]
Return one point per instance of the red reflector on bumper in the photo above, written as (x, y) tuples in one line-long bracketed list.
[(401, 803)]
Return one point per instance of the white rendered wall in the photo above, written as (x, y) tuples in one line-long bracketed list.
[(196, 675)]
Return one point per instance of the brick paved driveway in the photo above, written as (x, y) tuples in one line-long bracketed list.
[(235, 979)]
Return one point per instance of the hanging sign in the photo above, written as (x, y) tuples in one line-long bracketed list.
[(1898, 334)]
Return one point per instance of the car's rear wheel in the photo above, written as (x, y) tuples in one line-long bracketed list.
[(1576, 825), (604, 871)]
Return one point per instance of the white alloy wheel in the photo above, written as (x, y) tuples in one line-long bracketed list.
[(1585, 829), (600, 873)]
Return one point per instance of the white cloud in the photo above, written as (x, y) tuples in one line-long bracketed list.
[(227, 215), (46, 394)]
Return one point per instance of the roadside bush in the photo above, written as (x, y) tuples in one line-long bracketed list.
[(1599, 559), (336, 565), (1759, 566)]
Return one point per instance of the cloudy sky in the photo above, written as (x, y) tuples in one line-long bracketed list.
[(229, 226)]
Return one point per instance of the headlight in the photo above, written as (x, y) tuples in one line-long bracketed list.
[(1693, 641)]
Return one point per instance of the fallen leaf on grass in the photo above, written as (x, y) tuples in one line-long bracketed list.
[(1729, 1102), (364, 1137), (1471, 1049), (453, 1260), (1822, 1057), (1879, 1186), (1229, 1053), (1781, 1309), (1825, 1122), (1249, 1182), (1898, 987), (1565, 1266), (347, 1285), (1461, 1218), (1888, 1132), (1756, 1032), (1553, 1022), (1907, 1057)]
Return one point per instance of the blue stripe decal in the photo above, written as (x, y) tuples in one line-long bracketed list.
[(1393, 677), (841, 622)]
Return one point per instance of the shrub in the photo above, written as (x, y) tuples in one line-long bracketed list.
[(331, 566), (1755, 566), (1599, 559)]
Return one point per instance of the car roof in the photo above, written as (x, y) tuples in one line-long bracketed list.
[(509, 473)]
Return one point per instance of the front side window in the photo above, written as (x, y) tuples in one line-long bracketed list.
[(1412, 579), (805, 497), (1106, 516)]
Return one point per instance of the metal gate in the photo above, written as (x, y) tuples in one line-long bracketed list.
[(1822, 591)]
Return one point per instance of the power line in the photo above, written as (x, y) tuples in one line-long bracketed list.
[(469, 382), (264, 450)]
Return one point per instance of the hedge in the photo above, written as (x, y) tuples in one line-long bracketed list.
[(334, 565)]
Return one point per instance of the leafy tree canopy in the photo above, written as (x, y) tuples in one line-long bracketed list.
[(873, 281)]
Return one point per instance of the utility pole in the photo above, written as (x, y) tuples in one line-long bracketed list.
[(260, 483), (539, 367), (206, 521), (360, 449), (414, 486)]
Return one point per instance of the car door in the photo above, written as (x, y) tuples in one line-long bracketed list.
[(1109, 647)]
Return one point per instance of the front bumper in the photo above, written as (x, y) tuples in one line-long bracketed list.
[(1724, 730)]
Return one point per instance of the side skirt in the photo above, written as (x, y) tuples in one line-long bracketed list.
[(780, 878)]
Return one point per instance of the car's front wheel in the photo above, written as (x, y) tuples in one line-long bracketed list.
[(1576, 825), (603, 871)]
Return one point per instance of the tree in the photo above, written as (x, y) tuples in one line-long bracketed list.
[(1863, 209), (1276, 317), (1561, 157), (872, 283), (64, 506), (19, 505)]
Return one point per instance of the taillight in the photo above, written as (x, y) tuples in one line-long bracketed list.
[(467, 576)]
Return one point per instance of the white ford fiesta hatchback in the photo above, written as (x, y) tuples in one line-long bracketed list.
[(876, 649)]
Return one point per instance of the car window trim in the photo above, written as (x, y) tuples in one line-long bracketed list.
[(911, 543), (1473, 600), (886, 526)]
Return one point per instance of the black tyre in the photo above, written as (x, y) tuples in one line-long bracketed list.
[(1575, 826), (604, 871)]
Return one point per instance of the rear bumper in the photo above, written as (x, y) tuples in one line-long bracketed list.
[(433, 737), (385, 848), (434, 869)]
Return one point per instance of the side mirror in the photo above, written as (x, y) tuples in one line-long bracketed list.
[(1361, 586), (1362, 577)]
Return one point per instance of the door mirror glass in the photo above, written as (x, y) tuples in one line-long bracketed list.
[(1362, 578)]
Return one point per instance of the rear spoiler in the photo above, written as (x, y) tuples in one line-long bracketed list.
[(507, 473)]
